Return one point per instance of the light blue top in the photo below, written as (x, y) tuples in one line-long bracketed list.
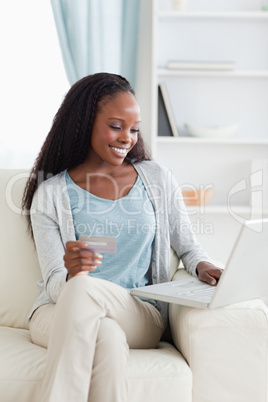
[(131, 220), (52, 224)]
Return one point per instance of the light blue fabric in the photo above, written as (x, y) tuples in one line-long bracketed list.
[(131, 220), (97, 35), (52, 224)]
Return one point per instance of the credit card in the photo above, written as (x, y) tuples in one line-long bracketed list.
[(100, 244)]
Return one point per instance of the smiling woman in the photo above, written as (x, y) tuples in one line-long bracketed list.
[(93, 177), (33, 81)]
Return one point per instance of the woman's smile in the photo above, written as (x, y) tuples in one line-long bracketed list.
[(122, 152)]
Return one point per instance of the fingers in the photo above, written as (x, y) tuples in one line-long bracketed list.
[(216, 273), (84, 256), (212, 276), (209, 273), (209, 279), (78, 250), (79, 260), (75, 245)]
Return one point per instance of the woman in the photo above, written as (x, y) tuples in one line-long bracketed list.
[(94, 177)]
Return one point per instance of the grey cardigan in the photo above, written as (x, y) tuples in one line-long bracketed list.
[(52, 225)]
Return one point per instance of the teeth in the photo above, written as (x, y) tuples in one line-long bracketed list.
[(120, 150)]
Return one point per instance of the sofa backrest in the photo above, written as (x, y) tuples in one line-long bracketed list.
[(19, 267)]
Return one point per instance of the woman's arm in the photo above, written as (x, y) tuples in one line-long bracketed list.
[(58, 262), (183, 240), (50, 251)]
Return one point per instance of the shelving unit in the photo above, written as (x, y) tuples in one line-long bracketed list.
[(218, 141), (212, 14), (209, 98), (219, 74)]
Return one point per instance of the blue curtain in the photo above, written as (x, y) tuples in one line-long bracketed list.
[(97, 35)]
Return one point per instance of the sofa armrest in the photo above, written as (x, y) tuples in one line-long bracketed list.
[(226, 349)]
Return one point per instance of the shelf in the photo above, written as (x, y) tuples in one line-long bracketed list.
[(217, 209), (213, 73), (243, 210), (195, 140), (214, 14)]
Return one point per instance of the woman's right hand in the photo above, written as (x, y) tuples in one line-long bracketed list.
[(78, 260)]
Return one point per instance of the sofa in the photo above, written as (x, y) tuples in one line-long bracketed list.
[(212, 355)]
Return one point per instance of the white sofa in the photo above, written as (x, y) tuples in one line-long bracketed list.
[(220, 355)]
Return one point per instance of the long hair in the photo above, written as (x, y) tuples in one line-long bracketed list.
[(69, 139)]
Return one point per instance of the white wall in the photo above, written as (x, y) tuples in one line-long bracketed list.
[(32, 79)]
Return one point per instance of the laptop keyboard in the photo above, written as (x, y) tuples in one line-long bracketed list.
[(201, 293)]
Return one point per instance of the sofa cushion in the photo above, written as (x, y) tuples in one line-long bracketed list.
[(159, 374), (21, 366), (152, 374), (19, 268)]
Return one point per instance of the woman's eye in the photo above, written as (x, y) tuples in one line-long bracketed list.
[(135, 130), (115, 127)]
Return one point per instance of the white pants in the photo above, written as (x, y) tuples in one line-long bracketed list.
[(88, 333)]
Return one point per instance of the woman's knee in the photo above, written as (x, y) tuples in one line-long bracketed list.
[(79, 285), (74, 290)]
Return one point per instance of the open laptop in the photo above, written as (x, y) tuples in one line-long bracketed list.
[(245, 276)]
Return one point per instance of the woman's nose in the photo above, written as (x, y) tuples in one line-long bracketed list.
[(125, 136)]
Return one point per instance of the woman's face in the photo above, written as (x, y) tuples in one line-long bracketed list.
[(115, 130)]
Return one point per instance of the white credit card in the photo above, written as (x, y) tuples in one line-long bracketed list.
[(100, 244)]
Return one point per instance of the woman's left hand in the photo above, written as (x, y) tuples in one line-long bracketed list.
[(208, 273)]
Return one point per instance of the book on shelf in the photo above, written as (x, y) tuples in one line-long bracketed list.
[(166, 120), (200, 65)]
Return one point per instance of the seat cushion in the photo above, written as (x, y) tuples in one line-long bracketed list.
[(159, 374), (153, 374), (21, 366)]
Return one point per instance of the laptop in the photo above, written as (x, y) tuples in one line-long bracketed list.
[(245, 276)]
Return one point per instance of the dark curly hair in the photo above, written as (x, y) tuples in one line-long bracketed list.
[(69, 139)]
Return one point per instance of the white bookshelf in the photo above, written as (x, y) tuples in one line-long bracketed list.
[(220, 74), (210, 141), (261, 15), (218, 31)]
